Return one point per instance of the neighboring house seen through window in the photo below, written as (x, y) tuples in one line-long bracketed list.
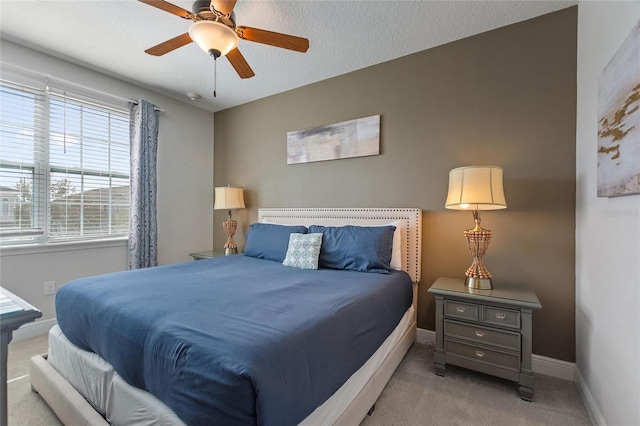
[(64, 166)]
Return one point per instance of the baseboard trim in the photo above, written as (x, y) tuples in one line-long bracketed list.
[(553, 367), (425, 336), (33, 329), (541, 364), (589, 402)]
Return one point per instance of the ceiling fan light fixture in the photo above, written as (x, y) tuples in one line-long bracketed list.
[(213, 37)]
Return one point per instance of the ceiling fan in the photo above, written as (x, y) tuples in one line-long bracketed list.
[(214, 30)]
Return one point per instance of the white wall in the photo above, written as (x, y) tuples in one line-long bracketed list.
[(607, 239), (185, 189)]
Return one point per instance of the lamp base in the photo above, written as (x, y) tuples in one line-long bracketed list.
[(230, 227), (478, 283)]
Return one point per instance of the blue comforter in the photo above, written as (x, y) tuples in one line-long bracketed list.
[(234, 340)]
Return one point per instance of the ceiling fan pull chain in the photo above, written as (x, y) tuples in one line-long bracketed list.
[(215, 72)]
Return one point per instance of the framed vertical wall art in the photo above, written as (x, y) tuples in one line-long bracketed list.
[(619, 121)]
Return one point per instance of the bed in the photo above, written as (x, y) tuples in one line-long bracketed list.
[(82, 388)]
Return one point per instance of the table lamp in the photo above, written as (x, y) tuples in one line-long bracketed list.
[(476, 188), (229, 198)]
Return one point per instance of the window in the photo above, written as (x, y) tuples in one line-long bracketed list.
[(5, 207), (64, 166)]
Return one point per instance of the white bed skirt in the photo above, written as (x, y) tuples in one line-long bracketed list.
[(122, 404)]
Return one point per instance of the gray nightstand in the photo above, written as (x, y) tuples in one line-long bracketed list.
[(485, 330), (206, 254)]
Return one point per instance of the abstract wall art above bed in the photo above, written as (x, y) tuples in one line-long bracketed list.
[(353, 138), (619, 121)]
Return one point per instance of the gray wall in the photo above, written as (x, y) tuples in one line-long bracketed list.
[(185, 176), (608, 239), (506, 97)]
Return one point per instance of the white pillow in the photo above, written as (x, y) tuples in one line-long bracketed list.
[(303, 251), (396, 253)]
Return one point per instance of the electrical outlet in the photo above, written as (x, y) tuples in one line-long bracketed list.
[(49, 288)]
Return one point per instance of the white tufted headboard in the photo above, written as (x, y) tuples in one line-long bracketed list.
[(410, 219)]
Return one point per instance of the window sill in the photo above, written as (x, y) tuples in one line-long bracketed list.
[(57, 247)]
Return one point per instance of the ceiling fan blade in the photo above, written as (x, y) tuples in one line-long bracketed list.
[(171, 8), (284, 41), (240, 64), (224, 6), (169, 45)]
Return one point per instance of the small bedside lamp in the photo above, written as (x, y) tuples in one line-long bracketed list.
[(229, 198), (476, 188)]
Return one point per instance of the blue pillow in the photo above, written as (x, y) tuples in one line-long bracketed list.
[(270, 241), (356, 248)]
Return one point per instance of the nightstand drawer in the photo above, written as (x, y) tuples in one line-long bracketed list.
[(499, 338), (455, 309), (499, 316), (480, 354)]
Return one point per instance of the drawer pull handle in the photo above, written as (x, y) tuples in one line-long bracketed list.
[(500, 315), (461, 309), (479, 333), (480, 354)]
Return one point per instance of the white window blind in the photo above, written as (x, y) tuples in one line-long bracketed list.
[(22, 162), (64, 166)]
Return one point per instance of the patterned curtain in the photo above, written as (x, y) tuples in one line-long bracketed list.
[(143, 232)]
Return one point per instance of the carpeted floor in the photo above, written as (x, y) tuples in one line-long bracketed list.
[(414, 396), (26, 408)]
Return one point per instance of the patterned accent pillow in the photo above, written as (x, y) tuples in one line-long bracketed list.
[(303, 251)]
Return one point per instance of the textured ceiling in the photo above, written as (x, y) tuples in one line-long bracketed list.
[(111, 36)]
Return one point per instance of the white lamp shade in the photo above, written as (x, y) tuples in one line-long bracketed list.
[(228, 198), (213, 35), (476, 188)]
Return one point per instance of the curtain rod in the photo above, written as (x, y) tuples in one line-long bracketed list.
[(99, 92), (154, 107), (48, 77)]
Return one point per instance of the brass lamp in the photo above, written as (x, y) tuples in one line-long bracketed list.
[(229, 198), (476, 188)]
